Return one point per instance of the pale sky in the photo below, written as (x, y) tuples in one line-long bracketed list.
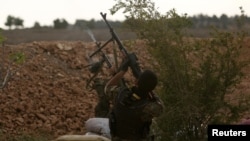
[(46, 11)]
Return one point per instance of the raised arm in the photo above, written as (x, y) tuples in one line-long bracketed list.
[(115, 80)]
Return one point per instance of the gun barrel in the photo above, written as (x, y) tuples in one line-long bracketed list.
[(114, 35), (132, 57)]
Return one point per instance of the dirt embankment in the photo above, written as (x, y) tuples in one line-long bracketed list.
[(47, 93)]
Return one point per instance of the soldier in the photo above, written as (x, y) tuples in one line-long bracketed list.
[(133, 108)]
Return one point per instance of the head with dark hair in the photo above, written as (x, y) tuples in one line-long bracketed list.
[(147, 81)]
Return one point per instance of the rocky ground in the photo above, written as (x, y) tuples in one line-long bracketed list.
[(47, 92)]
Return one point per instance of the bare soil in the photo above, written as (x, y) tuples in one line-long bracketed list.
[(47, 93)]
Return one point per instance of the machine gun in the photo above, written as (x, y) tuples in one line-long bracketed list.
[(133, 64)]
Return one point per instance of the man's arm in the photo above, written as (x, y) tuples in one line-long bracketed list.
[(115, 79)]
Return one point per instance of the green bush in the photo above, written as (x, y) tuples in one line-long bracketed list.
[(196, 74)]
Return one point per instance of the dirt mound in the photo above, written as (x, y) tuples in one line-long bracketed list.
[(47, 93)]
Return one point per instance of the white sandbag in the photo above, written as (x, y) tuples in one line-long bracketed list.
[(99, 126), (82, 138)]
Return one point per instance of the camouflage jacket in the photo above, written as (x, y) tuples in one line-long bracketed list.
[(151, 110)]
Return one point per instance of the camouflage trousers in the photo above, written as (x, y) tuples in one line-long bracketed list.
[(103, 106)]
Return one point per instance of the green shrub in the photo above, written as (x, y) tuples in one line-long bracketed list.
[(196, 75)]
